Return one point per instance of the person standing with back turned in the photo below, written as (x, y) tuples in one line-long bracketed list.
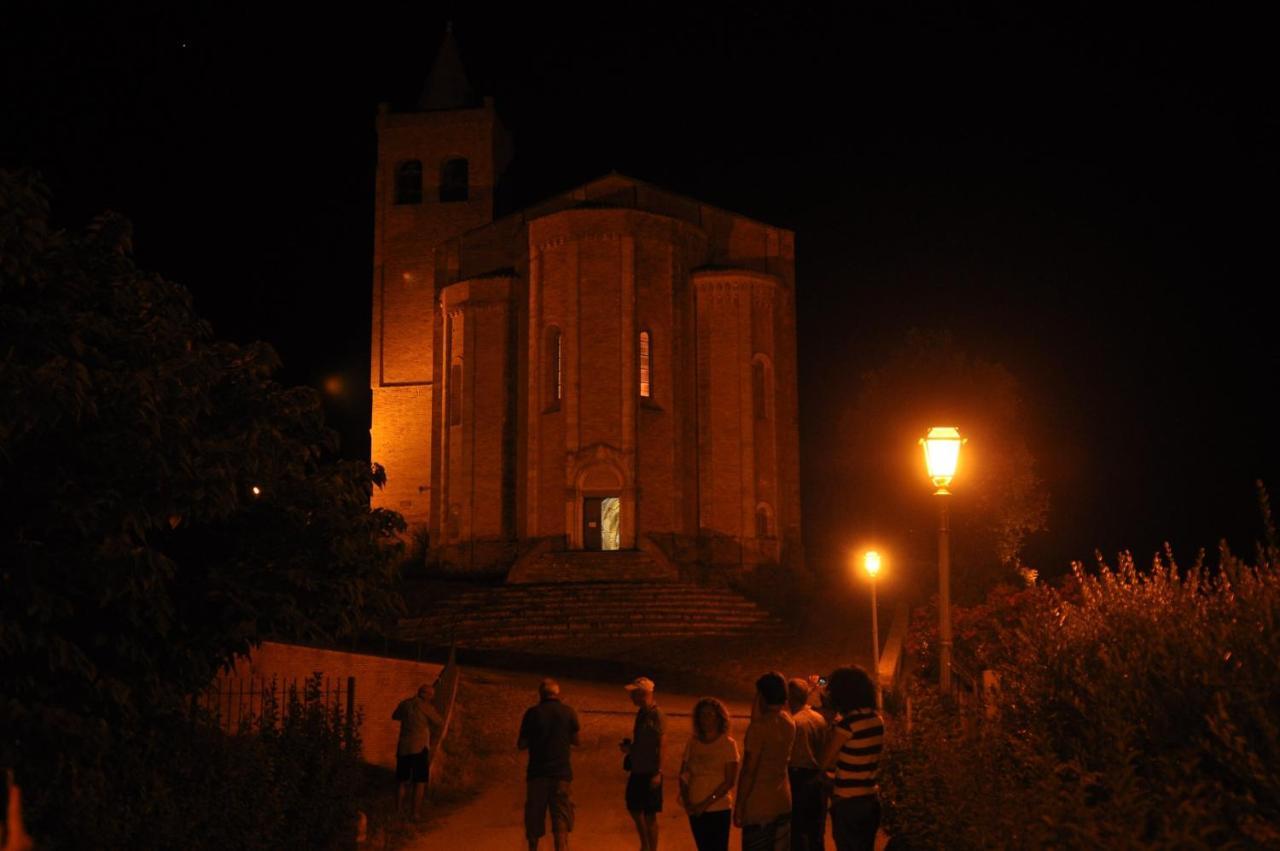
[(852, 757), (547, 731), (763, 810), (808, 809)]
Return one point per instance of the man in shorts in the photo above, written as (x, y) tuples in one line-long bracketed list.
[(413, 751), (644, 752), (547, 732)]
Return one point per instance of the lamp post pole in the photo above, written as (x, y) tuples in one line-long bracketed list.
[(871, 561), (944, 590), (875, 644), (941, 456)]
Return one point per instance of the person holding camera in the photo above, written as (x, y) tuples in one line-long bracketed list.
[(763, 810), (808, 801), (644, 763)]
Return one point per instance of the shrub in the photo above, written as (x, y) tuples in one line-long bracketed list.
[(290, 783), (1136, 708)]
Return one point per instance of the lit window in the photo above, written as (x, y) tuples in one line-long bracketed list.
[(409, 182), (455, 177), (646, 389)]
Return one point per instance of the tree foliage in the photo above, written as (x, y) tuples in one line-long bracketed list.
[(1135, 709), (164, 503), (999, 499)]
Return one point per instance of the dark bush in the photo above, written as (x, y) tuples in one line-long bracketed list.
[(1136, 709), (291, 782)]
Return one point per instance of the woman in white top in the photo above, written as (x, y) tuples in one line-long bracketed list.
[(707, 774)]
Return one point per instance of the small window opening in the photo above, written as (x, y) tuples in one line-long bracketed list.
[(409, 182), (454, 180)]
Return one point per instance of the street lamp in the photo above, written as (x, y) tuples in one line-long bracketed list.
[(941, 455), (871, 561)]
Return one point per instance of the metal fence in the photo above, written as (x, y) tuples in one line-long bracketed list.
[(240, 704)]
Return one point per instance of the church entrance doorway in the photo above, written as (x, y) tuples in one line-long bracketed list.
[(601, 523)]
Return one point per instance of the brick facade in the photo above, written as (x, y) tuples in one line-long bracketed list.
[(506, 362)]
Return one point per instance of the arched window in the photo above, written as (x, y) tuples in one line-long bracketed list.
[(646, 385), (762, 387), (455, 175), (555, 369), (455, 394), (409, 182), (764, 521), (758, 382)]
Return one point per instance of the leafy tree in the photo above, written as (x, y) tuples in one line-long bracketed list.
[(164, 503), (999, 499)]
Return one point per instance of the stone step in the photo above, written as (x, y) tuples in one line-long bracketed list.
[(589, 603), (569, 590), (527, 614), (584, 624), (571, 566), (532, 637)]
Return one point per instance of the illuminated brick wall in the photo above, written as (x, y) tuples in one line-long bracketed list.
[(406, 236), (490, 447)]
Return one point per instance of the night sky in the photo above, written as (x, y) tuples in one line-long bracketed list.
[(1087, 198)]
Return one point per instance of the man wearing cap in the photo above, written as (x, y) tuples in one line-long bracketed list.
[(644, 761), (413, 750), (547, 731)]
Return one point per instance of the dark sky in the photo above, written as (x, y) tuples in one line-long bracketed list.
[(1086, 197)]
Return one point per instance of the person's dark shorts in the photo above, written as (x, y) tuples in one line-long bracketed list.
[(641, 796), (413, 767), (543, 794)]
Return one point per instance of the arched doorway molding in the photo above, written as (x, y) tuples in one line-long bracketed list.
[(600, 470)]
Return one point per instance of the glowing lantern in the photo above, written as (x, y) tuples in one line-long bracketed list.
[(942, 455), (871, 561)]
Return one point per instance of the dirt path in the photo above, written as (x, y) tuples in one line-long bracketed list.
[(493, 821)]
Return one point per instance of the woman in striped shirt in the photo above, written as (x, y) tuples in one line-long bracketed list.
[(852, 759)]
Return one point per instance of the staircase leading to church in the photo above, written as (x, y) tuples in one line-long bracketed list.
[(561, 614), (592, 566)]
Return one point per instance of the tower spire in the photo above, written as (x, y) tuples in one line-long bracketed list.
[(447, 86)]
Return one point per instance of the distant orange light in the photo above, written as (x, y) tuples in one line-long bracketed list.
[(257, 491), (334, 385), (942, 454)]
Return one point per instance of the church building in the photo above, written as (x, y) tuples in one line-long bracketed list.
[(611, 369)]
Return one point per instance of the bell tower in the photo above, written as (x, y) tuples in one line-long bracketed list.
[(437, 168)]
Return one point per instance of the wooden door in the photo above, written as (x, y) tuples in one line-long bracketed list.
[(591, 522)]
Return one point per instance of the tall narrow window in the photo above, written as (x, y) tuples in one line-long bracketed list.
[(646, 388), (758, 391), (455, 394), (764, 522), (455, 176), (555, 369), (409, 182)]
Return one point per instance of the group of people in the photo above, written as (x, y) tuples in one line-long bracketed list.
[(812, 747)]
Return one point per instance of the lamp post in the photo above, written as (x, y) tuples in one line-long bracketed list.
[(941, 455), (871, 561)]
